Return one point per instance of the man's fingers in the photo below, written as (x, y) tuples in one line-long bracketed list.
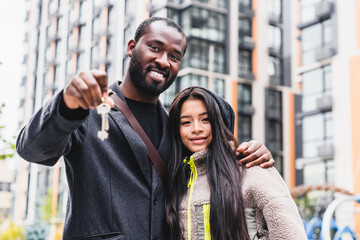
[(268, 164), (243, 146), (255, 162), (254, 146), (73, 97), (90, 89), (102, 80)]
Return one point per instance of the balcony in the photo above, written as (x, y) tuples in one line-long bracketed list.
[(324, 103), (74, 48), (274, 113), (246, 109), (274, 19), (248, 76), (326, 151), (76, 23), (246, 42), (324, 10), (53, 37), (274, 146), (324, 53), (276, 80), (274, 51), (246, 11)]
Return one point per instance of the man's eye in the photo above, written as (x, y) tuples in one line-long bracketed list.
[(155, 48), (175, 58)]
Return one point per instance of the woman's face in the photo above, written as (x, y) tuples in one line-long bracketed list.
[(195, 129)]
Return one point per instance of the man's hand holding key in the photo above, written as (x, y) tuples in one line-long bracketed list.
[(89, 90)]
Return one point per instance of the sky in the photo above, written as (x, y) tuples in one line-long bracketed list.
[(12, 30)]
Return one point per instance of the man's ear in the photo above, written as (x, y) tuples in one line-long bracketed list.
[(130, 47)]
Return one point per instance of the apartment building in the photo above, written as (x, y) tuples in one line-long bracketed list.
[(327, 121), (287, 68)]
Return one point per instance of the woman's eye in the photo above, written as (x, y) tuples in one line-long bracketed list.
[(205, 120), (184, 123)]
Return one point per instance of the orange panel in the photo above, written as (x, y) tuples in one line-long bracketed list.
[(357, 14), (355, 127), (292, 139), (235, 106)]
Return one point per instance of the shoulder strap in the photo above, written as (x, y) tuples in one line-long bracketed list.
[(152, 152)]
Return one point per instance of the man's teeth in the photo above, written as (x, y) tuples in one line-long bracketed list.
[(157, 74)]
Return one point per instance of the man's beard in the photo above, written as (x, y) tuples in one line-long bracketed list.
[(139, 79)]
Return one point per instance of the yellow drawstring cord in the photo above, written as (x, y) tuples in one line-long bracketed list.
[(193, 176), (206, 212)]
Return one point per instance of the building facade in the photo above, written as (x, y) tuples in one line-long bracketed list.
[(327, 122), (277, 62)]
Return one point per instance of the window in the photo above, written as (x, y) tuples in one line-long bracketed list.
[(274, 101), (317, 132), (244, 118), (82, 12), (96, 27), (244, 30), (315, 84), (319, 173), (5, 187), (218, 86), (275, 70), (275, 38), (192, 80), (205, 24), (94, 56), (244, 5), (274, 9), (197, 56), (215, 3), (313, 38), (274, 120), (244, 64), (308, 10), (53, 7), (174, 15)]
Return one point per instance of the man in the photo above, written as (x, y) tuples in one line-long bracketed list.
[(114, 190)]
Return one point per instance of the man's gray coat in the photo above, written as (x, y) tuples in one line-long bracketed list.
[(113, 191)]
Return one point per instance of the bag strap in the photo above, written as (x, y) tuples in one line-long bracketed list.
[(152, 152)]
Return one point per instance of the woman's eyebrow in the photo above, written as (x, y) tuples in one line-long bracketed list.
[(188, 116), (185, 116)]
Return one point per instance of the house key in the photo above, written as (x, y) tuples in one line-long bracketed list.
[(103, 109)]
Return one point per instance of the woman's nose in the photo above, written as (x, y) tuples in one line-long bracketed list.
[(197, 127)]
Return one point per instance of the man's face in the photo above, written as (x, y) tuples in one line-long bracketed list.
[(156, 58)]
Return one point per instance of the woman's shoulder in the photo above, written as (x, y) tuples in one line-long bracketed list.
[(257, 175), (258, 181)]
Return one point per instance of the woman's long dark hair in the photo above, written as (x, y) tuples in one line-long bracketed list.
[(227, 216)]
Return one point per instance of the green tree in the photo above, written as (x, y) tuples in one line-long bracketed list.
[(13, 232), (7, 148)]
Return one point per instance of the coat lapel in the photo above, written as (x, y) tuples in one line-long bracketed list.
[(137, 145), (164, 146)]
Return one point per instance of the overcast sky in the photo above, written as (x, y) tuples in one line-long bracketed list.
[(12, 15)]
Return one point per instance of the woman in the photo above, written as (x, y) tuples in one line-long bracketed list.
[(245, 203)]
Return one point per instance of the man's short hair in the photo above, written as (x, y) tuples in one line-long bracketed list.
[(141, 30)]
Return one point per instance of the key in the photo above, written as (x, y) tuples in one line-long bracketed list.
[(103, 109)]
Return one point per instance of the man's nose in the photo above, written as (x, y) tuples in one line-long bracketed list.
[(162, 60)]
